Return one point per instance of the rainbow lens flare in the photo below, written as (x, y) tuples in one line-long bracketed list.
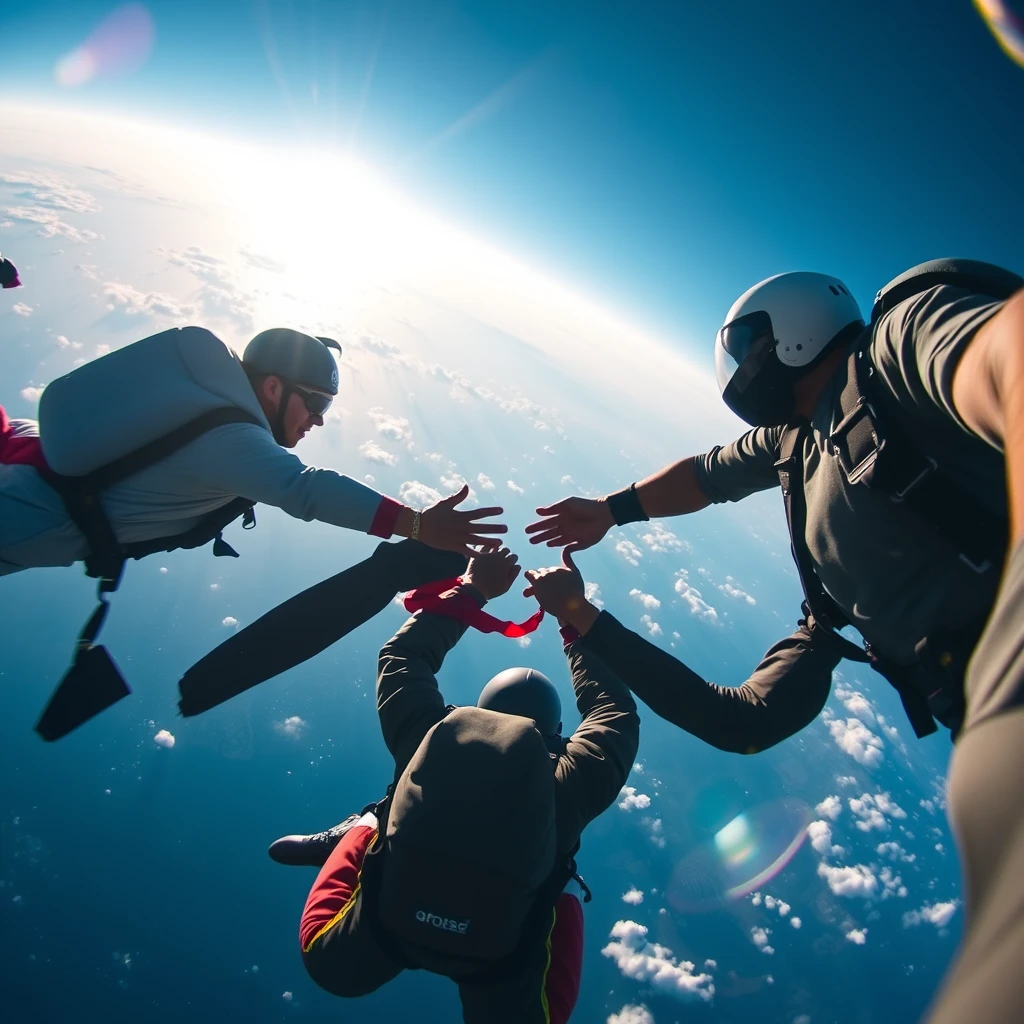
[(1006, 24), (741, 856), (120, 44)]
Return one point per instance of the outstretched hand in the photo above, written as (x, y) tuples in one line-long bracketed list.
[(573, 523), (561, 592), (445, 527), (493, 572)]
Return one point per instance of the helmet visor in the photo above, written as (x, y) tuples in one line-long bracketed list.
[(741, 349), (316, 402)]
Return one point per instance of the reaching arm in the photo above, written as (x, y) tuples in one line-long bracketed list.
[(600, 753), (988, 392), (672, 491), (722, 474), (785, 692), (408, 699)]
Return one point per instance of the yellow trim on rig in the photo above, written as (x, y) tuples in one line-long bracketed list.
[(547, 968), (349, 904)]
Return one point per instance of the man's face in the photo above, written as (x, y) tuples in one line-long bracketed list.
[(298, 421)]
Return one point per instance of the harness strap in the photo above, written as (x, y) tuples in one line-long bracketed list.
[(871, 454), (826, 612), (81, 498), (828, 616)]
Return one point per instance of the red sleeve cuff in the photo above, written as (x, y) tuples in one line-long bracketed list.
[(570, 634), (384, 520)]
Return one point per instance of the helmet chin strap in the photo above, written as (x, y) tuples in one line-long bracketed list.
[(282, 410)]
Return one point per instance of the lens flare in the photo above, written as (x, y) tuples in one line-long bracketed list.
[(1006, 24), (741, 856), (119, 45)]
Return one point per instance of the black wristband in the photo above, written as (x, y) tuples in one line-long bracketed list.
[(625, 506)]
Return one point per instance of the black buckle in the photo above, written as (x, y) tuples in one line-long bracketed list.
[(930, 467), (854, 474)]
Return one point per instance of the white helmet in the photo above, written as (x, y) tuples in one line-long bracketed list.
[(774, 334)]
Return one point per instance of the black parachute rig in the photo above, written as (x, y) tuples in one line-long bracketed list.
[(8, 274)]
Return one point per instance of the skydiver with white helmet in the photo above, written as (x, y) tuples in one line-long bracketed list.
[(899, 449), (162, 444), (466, 868)]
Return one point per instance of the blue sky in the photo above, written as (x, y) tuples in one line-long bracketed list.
[(663, 155)]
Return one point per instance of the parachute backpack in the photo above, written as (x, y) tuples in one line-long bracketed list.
[(463, 875), (172, 387)]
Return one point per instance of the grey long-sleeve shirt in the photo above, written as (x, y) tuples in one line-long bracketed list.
[(237, 460)]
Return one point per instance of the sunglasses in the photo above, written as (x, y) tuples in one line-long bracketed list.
[(315, 402)]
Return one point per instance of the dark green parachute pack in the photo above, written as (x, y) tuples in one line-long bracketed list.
[(875, 452), (464, 874)]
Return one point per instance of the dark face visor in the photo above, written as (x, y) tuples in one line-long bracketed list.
[(742, 347)]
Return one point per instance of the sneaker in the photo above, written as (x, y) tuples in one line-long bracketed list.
[(310, 851)]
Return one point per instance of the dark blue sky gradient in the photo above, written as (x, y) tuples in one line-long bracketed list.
[(664, 155)]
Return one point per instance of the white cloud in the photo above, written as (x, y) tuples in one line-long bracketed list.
[(632, 1014), (760, 937), (856, 703), (632, 800), (132, 302), (831, 807), (31, 394), (515, 488), (820, 834), (691, 595), (773, 903), (858, 936), (658, 538), (872, 811), (845, 780), (21, 309), (230, 621), (652, 627), (261, 262), (395, 427), (50, 224), (629, 551), (892, 885), (895, 852), (633, 896), (853, 736), (938, 914), (62, 341), (796, 922), (102, 350), (654, 965), (418, 495), (656, 831), (287, 996), (567, 480), (647, 600), (730, 589), (485, 482), (292, 727), (858, 880), (374, 453), (593, 595), (164, 739), (49, 190)]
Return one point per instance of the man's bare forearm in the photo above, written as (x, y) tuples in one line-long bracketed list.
[(988, 391), (672, 491)]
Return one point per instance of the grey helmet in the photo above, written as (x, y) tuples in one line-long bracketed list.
[(301, 361), (295, 357), (525, 692)]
